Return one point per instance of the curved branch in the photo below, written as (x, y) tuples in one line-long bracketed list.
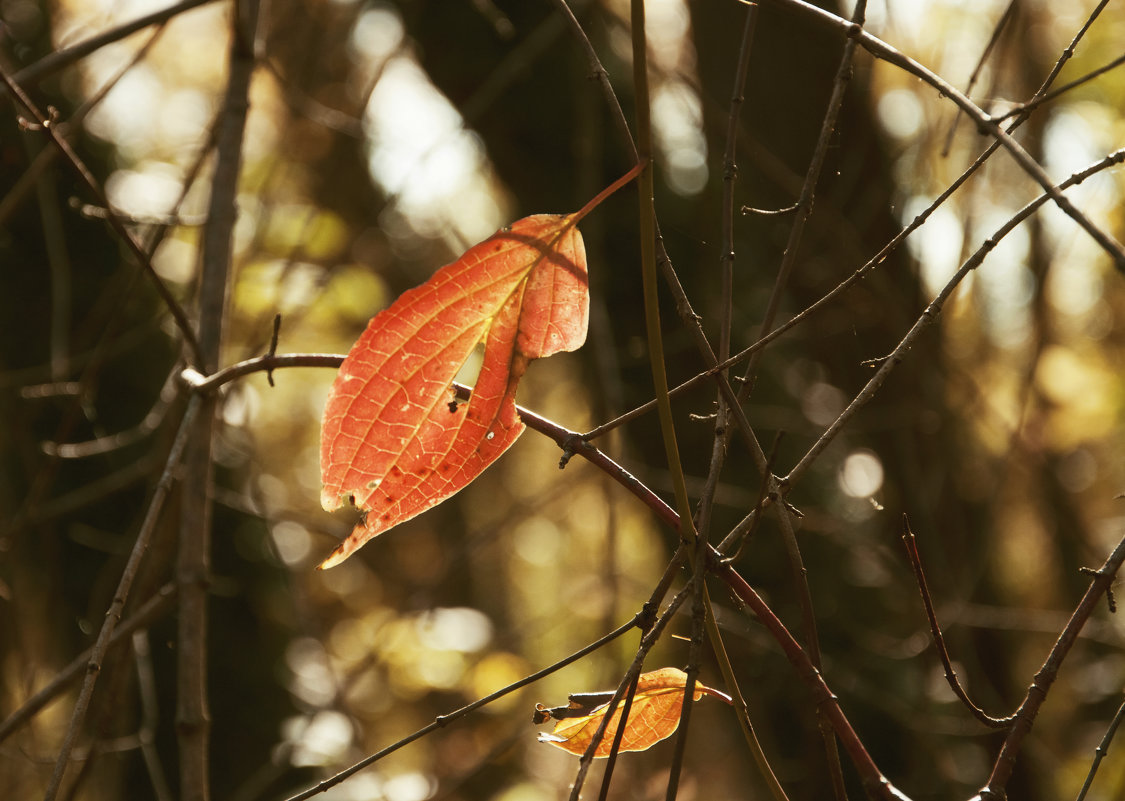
[(1041, 683), (911, 544), (880, 49)]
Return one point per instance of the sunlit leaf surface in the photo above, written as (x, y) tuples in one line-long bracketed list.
[(395, 441), (654, 716)]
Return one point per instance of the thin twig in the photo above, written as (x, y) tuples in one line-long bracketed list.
[(808, 190), (150, 717), (444, 720), (789, 257), (730, 175), (1031, 105), (618, 736), (741, 709), (61, 506), (930, 315), (997, 30), (721, 437), (647, 225), (647, 642), (1101, 751), (880, 49), (684, 309), (1041, 95), (827, 298), (700, 607), (44, 123), (874, 781), (939, 640), (768, 212), (598, 72), (649, 622), (56, 61), (701, 603), (654, 338), (273, 345), (150, 611), (113, 615), (1045, 677), (738, 536), (119, 439)]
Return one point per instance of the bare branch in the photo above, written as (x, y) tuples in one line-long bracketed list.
[(939, 641), (44, 123), (152, 609), (68, 55), (113, 615), (445, 720), (877, 47), (930, 315), (1101, 751), (193, 562), (1045, 677)]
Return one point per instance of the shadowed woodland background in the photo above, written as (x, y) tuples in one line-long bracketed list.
[(383, 138)]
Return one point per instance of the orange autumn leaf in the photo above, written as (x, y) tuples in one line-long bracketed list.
[(654, 716), (395, 441)]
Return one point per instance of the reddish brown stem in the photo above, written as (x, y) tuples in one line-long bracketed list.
[(939, 641), (876, 784), (1041, 684), (572, 443)]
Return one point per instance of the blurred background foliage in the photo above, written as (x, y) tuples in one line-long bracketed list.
[(384, 138)]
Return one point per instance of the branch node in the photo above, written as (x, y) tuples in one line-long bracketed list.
[(570, 447), (273, 347), (646, 618), (192, 378), (1110, 600), (746, 210)]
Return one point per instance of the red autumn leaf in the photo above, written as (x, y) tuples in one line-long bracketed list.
[(654, 715), (394, 441)]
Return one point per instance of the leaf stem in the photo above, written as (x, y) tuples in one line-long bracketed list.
[(577, 216)]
